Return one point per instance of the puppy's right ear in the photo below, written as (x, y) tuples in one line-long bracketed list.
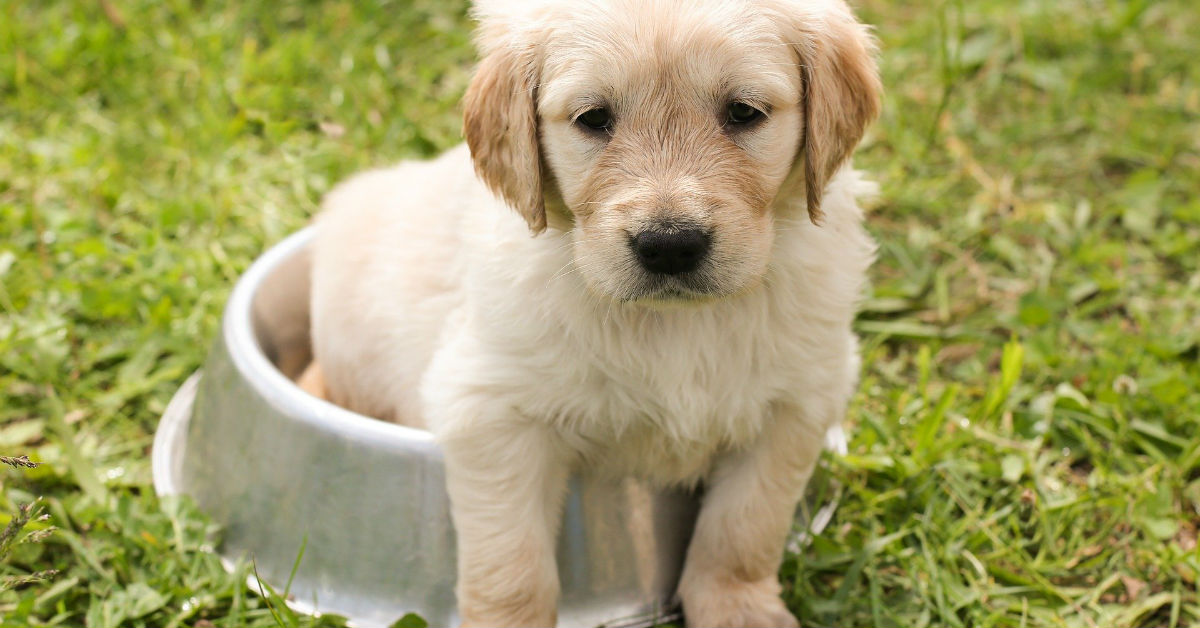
[(500, 125)]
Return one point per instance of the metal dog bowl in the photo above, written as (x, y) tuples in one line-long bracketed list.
[(280, 470)]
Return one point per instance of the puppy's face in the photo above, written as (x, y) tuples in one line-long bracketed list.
[(668, 129), (668, 134)]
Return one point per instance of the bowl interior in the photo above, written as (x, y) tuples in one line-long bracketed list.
[(279, 314)]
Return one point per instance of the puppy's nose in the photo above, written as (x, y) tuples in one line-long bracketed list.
[(670, 252)]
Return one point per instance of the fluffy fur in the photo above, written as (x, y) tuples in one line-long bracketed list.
[(533, 344)]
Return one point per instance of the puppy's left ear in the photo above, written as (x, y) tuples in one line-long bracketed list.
[(841, 90), (500, 126)]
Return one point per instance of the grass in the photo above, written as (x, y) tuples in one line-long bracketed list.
[(1025, 449)]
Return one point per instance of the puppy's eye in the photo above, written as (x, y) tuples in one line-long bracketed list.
[(741, 113), (598, 119)]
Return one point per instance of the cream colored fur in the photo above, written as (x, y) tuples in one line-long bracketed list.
[(532, 344)]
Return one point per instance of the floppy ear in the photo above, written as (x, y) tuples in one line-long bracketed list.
[(500, 125), (841, 92)]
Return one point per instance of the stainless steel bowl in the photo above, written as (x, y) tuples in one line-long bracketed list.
[(279, 469)]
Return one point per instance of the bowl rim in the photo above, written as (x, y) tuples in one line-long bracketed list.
[(246, 355)]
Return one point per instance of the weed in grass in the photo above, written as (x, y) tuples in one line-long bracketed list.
[(11, 536), (25, 513)]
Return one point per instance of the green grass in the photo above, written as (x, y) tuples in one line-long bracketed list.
[(1025, 449)]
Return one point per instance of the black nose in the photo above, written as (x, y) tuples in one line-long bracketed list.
[(670, 252)]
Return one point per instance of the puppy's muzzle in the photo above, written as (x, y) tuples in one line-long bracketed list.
[(671, 251)]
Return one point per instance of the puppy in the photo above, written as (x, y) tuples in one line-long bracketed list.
[(645, 261)]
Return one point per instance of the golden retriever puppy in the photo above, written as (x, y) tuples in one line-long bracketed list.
[(645, 261)]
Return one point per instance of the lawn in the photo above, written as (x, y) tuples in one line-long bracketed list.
[(1025, 449)]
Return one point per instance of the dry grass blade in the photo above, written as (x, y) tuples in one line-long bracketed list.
[(19, 462), (33, 578)]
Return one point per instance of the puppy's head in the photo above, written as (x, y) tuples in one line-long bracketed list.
[(667, 133)]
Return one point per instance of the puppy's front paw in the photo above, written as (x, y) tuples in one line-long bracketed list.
[(734, 604)]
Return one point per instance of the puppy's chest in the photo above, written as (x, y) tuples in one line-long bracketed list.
[(661, 398)]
